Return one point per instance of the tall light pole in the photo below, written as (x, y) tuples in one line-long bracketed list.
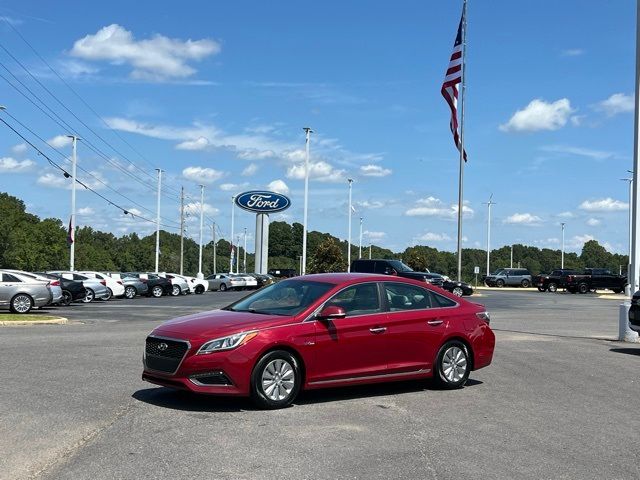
[(238, 255), (215, 268), (200, 275), (369, 251), (233, 212), (181, 230), (511, 264), (72, 220), (244, 260), (562, 254), (350, 180), (308, 133), (360, 246), (158, 218), (489, 204), (630, 180)]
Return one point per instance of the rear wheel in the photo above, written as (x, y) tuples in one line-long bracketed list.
[(275, 381), (452, 365), (21, 303), (617, 290), (457, 291), (67, 298), (542, 289), (223, 287), (156, 291), (109, 294), (583, 288), (130, 292), (89, 296), (199, 290), (553, 287), (525, 283), (175, 290)]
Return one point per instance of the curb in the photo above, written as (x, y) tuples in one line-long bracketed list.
[(53, 321)]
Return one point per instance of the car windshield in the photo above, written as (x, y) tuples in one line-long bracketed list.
[(499, 272), (288, 297), (399, 266)]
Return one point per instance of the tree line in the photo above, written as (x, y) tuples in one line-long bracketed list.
[(30, 243)]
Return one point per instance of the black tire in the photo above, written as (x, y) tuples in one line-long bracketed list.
[(90, 296), (525, 283), (199, 290), (452, 356), (458, 291), (67, 298), (542, 289), (223, 287), (175, 290), (617, 290), (583, 288), (110, 292), (552, 287), (156, 291), (21, 303), (499, 283), (130, 292), (261, 395)]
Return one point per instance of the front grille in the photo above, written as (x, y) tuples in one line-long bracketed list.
[(164, 355)]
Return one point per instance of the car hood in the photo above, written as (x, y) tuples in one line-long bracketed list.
[(218, 323)]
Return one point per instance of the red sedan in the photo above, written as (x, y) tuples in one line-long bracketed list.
[(322, 331)]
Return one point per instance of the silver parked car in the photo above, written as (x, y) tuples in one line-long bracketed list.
[(95, 288), (179, 285), (21, 293), (54, 285), (132, 285), (224, 281)]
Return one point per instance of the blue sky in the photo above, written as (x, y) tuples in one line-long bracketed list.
[(218, 93)]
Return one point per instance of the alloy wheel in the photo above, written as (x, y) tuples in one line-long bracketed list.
[(278, 380), (454, 364), (175, 291), (90, 296), (21, 303), (457, 291), (130, 292), (223, 287), (157, 291), (67, 298)]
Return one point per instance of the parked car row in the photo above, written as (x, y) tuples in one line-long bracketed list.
[(22, 291), (573, 281)]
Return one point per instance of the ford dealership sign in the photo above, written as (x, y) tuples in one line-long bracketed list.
[(259, 201)]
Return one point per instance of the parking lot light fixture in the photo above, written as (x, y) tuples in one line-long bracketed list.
[(562, 252), (308, 133), (233, 210), (350, 180), (489, 204), (200, 274)]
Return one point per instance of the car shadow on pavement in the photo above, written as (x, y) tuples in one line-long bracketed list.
[(192, 402), (627, 351)]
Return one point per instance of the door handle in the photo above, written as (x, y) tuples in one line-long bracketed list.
[(378, 330), (435, 322)]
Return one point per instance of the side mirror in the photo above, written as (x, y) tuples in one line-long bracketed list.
[(331, 312)]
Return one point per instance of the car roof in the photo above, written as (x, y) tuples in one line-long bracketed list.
[(354, 277)]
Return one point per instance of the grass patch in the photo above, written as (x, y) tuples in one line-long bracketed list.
[(17, 317)]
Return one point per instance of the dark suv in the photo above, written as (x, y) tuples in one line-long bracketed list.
[(282, 272), (388, 267)]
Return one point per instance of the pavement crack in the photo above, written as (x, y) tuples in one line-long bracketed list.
[(72, 450)]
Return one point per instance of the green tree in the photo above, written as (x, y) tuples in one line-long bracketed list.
[(327, 257)]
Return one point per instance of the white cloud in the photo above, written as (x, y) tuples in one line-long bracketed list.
[(202, 175), (19, 148), (228, 187), (594, 222), (540, 115), (374, 171), (58, 180), (617, 103), (250, 170), (11, 165), (572, 52), (374, 236), (193, 210), (278, 186), (523, 219), (255, 154), (434, 237), (578, 241), (86, 211), (157, 58), (579, 151), (604, 205), (200, 143), (321, 171), (59, 141), (369, 204), (434, 207), (566, 215)]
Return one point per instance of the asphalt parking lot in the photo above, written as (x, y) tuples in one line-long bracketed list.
[(559, 401)]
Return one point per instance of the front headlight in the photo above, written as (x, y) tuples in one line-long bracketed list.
[(226, 343)]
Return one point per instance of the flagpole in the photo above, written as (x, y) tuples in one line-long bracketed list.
[(461, 175)]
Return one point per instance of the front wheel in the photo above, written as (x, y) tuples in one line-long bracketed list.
[(89, 296), (21, 303), (67, 298), (457, 291), (175, 290), (452, 365), (223, 287), (553, 287), (275, 381), (156, 291), (583, 288), (130, 292), (199, 290), (499, 283)]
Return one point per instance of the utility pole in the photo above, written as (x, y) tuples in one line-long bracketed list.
[(215, 268), (72, 220), (630, 180), (360, 246), (489, 204), (308, 133), (511, 265), (238, 255), (181, 230), (350, 180), (233, 211), (562, 252), (244, 261), (158, 219), (200, 275), (369, 251)]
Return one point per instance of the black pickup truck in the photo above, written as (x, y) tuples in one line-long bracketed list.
[(553, 281), (596, 279)]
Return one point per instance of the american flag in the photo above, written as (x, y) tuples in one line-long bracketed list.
[(450, 86), (70, 232)]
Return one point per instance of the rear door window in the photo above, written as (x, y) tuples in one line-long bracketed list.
[(441, 301), (358, 300), (402, 296), (7, 277)]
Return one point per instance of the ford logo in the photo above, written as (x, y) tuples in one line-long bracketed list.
[(259, 201)]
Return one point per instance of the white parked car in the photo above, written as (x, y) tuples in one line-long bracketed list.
[(195, 285), (247, 281), (180, 286), (115, 287)]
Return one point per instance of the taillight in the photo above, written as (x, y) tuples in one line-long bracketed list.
[(120, 282), (103, 282), (484, 316), (55, 283)]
